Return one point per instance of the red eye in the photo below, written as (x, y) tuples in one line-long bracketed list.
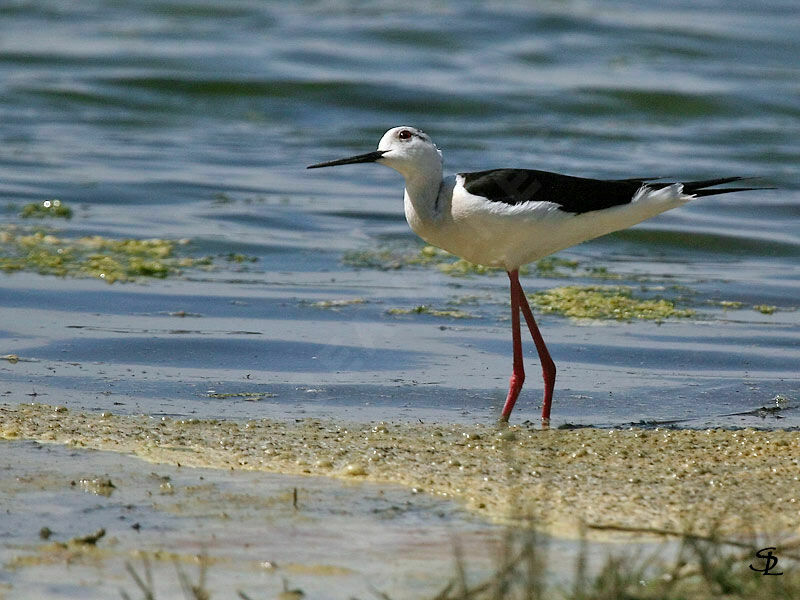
[(404, 135)]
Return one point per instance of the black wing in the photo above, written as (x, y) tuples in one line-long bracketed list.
[(571, 194)]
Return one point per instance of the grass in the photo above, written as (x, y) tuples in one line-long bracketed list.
[(191, 591), (703, 568)]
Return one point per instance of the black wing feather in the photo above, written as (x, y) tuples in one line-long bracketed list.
[(573, 194)]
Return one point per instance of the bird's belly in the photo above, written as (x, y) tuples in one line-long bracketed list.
[(489, 242), (475, 249)]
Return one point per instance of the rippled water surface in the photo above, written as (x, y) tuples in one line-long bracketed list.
[(286, 293), (194, 121)]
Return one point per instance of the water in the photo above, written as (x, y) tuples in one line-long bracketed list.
[(196, 120), (335, 541), (258, 532)]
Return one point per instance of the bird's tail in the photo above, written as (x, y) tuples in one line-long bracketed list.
[(699, 188)]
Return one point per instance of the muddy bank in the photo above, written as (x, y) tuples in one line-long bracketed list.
[(736, 481)]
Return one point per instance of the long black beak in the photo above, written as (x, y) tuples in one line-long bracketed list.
[(361, 158)]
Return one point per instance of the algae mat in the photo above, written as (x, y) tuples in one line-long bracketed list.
[(736, 482)]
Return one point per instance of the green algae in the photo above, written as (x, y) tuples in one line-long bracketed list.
[(611, 302), (46, 253), (730, 304), (581, 302), (392, 258), (424, 309), (765, 309), (605, 303), (334, 304), (252, 396), (462, 268), (448, 263), (46, 208), (384, 259), (387, 259), (236, 257), (554, 266), (469, 299)]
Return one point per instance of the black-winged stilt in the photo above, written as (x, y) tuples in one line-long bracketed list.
[(510, 217)]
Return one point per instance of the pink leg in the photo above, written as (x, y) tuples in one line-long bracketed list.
[(548, 366), (519, 302), (518, 374)]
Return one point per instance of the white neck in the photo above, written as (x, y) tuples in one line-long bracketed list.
[(422, 191)]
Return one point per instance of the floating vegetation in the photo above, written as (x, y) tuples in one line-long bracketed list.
[(470, 299), (47, 208), (337, 303), (387, 259), (605, 302), (384, 259), (615, 302), (765, 309), (553, 266), (604, 273), (236, 257), (91, 256), (448, 263), (222, 198), (424, 309), (251, 396), (462, 268), (730, 304)]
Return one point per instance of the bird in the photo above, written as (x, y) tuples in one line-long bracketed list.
[(507, 218)]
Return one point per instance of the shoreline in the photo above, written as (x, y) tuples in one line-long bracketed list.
[(738, 483)]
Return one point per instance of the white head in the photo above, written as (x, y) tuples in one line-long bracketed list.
[(405, 149)]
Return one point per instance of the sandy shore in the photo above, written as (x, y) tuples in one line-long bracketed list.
[(737, 482)]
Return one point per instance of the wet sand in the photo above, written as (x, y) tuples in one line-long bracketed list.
[(733, 482), (73, 518)]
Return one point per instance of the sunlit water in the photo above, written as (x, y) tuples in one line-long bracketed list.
[(196, 120)]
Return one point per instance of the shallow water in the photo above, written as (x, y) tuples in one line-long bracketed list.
[(186, 119), (335, 541), (193, 120)]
